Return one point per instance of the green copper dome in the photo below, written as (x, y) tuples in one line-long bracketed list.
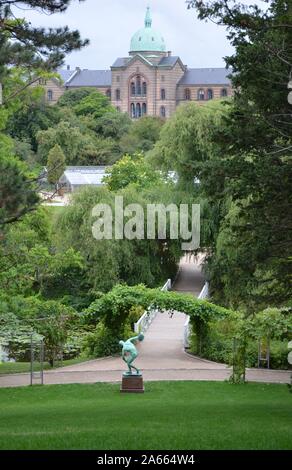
[(147, 39)]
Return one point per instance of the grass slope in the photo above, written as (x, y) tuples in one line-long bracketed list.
[(170, 415)]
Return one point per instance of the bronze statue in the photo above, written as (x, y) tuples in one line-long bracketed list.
[(130, 353)]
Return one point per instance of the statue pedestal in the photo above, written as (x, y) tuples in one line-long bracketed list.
[(132, 384)]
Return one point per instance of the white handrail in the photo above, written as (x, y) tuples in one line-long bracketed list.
[(147, 318), (204, 294)]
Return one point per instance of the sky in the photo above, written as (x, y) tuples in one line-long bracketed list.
[(110, 24)]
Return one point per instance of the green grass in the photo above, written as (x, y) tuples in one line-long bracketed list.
[(22, 367), (169, 416)]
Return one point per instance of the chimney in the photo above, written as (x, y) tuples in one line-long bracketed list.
[(68, 67), (78, 69)]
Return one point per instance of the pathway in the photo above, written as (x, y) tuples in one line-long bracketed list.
[(162, 356)]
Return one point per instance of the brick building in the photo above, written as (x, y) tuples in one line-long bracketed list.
[(149, 81)]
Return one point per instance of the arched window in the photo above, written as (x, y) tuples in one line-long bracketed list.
[(187, 94), (118, 94), (163, 94), (144, 89), (108, 93), (50, 95), (133, 111), (224, 93), (144, 109), (201, 94), (210, 94), (133, 89), (118, 109), (138, 85), (163, 111), (138, 111)]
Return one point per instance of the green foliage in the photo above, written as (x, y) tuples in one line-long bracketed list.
[(186, 140), (235, 340), (56, 164), (250, 262), (142, 135), (115, 308), (95, 105), (109, 262), (131, 170), (23, 44), (31, 117), (72, 98), (102, 342), (17, 190)]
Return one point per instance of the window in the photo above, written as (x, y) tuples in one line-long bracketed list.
[(50, 95), (138, 110), (144, 109), (163, 112), (201, 94), (163, 94), (118, 109), (133, 111), (133, 89), (210, 94), (118, 94), (118, 78), (187, 94), (224, 93), (162, 78), (144, 89), (108, 93), (138, 86), (42, 81)]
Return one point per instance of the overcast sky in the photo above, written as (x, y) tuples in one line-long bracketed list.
[(110, 24)]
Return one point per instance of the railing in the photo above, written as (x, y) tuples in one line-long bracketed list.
[(147, 318), (204, 292), (187, 327)]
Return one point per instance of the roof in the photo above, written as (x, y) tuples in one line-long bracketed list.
[(65, 74), (84, 175), (217, 76), (121, 62), (90, 78), (169, 61)]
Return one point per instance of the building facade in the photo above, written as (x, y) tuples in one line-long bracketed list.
[(149, 81)]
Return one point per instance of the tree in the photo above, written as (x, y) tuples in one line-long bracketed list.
[(142, 135), (32, 116), (80, 145), (56, 164), (255, 171), (23, 44), (96, 104), (113, 125), (72, 98), (132, 170), (17, 190)]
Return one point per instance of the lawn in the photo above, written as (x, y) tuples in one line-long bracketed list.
[(22, 367), (169, 416)]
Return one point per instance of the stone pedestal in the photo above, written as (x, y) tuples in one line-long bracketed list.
[(132, 384)]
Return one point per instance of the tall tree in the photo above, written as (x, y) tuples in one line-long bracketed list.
[(56, 164), (23, 44), (254, 167)]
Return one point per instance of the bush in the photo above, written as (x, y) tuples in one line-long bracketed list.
[(102, 342), (219, 349)]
